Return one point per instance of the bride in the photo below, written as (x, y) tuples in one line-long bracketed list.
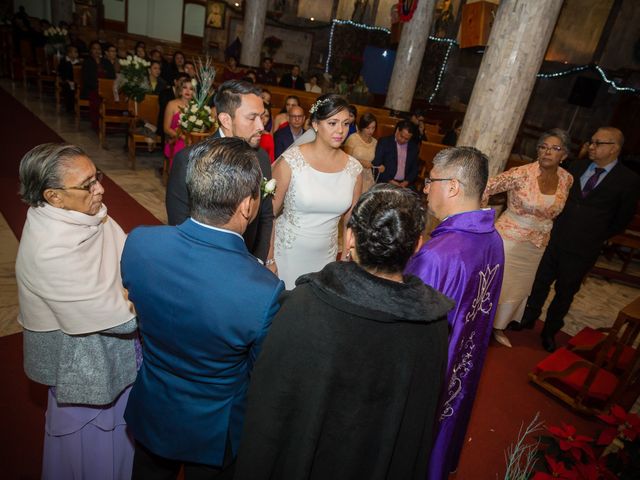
[(317, 183)]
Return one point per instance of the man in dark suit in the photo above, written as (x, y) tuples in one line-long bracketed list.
[(399, 155), (285, 136), (239, 107), (293, 79), (601, 203), (204, 307), (265, 75)]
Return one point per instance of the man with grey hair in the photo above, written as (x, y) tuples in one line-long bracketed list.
[(601, 203), (464, 260), (191, 284)]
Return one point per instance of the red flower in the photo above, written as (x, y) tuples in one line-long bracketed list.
[(556, 470), (569, 441), (622, 422), (596, 470)]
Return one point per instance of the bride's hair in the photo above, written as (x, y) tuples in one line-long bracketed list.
[(326, 106), (387, 223)]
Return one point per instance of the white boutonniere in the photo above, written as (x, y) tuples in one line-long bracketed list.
[(268, 187)]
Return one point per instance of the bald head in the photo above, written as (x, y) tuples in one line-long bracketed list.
[(296, 117), (605, 145)]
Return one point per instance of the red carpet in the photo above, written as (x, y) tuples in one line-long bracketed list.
[(24, 132), (505, 398)]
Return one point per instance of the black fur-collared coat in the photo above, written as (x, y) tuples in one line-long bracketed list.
[(347, 384)]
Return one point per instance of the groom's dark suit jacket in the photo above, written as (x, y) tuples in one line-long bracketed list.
[(258, 234), (585, 223)]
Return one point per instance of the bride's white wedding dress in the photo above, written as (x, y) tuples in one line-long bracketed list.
[(306, 232)]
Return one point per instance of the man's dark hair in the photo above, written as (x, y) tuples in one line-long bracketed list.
[(220, 174), (404, 125), (387, 223), (228, 98)]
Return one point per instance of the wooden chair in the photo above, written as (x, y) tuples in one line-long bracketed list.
[(625, 246), (428, 151), (81, 104), (435, 137), (29, 65), (145, 111), (112, 111), (47, 76), (594, 386), (385, 129), (191, 138)]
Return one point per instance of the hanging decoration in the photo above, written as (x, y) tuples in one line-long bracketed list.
[(597, 68), (452, 42), (406, 9)]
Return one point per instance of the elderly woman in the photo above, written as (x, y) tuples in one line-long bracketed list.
[(536, 194), (348, 380), (79, 328)]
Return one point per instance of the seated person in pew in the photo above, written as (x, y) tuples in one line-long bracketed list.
[(399, 155)]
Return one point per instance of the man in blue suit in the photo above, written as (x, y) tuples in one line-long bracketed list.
[(204, 306), (399, 155)]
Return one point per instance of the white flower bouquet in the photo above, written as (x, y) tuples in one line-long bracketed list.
[(55, 35), (133, 80), (196, 116)]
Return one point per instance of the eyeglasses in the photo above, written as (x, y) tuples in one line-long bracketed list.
[(429, 181), (597, 143), (296, 117), (89, 187), (545, 148)]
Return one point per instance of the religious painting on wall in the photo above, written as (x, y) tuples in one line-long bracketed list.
[(215, 14)]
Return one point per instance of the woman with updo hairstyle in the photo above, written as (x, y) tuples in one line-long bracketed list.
[(317, 185), (356, 353)]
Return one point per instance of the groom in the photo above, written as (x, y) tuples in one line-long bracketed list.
[(239, 106)]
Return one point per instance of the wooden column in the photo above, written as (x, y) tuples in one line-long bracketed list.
[(406, 68), (517, 44), (255, 15)]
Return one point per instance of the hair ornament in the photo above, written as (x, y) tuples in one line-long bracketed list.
[(318, 104)]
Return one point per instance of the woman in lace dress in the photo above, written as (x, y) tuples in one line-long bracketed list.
[(536, 194), (317, 184), (362, 146)]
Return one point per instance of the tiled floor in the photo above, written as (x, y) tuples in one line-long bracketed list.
[(597, 303)]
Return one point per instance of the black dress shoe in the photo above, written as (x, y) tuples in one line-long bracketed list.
[(518, 326), (548, 343)]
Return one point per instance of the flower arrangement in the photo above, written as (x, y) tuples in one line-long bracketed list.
[(271, 45), (564, 453), (55, 35), (196, 115), (195, 118), (134, 78)]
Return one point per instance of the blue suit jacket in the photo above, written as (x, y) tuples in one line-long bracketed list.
[(387, 155), (282, 138), (204, 306)]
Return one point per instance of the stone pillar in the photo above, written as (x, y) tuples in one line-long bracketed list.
[(406, 68), (255, 14), (516, 47), (61, 10)]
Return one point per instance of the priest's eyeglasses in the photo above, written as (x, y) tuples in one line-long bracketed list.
[(429, 181), (543, 147), (90, 185)]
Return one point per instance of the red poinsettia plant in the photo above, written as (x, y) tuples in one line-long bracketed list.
[(563, 453)]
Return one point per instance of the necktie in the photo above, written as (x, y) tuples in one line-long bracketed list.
[(592, 181)]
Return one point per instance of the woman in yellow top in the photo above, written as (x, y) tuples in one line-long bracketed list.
[(362, 146)]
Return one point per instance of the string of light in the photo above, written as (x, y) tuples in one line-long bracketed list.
[(451, 43)]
